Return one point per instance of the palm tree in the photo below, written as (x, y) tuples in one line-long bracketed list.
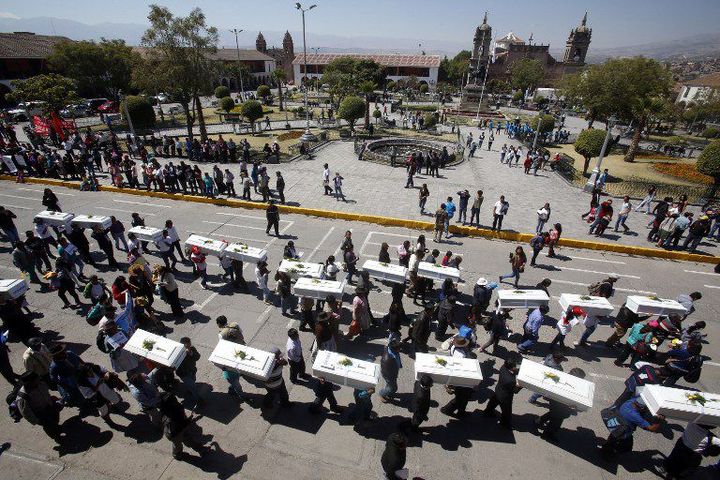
[(367, 88), (279, 76)]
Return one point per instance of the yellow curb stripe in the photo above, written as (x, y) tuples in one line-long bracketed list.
[(388, 221)]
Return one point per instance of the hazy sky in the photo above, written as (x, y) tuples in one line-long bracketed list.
[(614, 22)]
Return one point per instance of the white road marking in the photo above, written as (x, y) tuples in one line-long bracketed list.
[(228, 236), (19, 197), (42, 191), (314, 251), (125, 211), (595, 271), (232, 225), (142, 203), (16, 206), (608, 377), (408, 237), (700, 273), (246, 216), (616, 262), (712, 286), (207, 300), (714, 364), (587, 284), (265, 314)]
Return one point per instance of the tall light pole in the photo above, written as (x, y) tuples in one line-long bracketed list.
[(590, 185), (237, 49), (537, 130), (307, 136)]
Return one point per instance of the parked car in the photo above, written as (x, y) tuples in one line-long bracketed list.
[(75, 110), (108, 107), (17, 115), (94, 103)]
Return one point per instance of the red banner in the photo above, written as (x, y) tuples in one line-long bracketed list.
[(42, 126)]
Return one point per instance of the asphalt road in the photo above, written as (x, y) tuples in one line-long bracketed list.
[(293, 442)]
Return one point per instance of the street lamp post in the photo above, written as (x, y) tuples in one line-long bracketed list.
[(308, 135), (237, 49), (590, 185), (537, 130)]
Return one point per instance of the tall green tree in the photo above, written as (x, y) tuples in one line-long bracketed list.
[(631, 89), (351, 109), (345, 75), (99, 68), (54, 90), (589, 144), (709, 163), (178, 60), (455, 70), (279, 76), (526, 74)]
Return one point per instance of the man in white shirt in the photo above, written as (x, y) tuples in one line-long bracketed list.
[(623, 215), (165, 246), (326, 180), (174, 238), (229, 179), (499, 211)]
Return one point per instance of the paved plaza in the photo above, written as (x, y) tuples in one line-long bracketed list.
[(294, 443)]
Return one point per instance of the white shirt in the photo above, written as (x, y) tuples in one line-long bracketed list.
[(625, 209), (294, 350), (43, 231), (133, 244), (172, 234), (498, 208), (696, 438), (229, 177), (164, 244), (413, 263), (262, 279), (326, 175)]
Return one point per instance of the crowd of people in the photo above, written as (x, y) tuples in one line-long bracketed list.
[(130, 302)]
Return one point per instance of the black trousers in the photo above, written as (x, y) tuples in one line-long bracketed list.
[(275, 223), (328, 395), (296, 368), (276, 393), (497, 222), (459, 401), (681, 459), (505, 410)]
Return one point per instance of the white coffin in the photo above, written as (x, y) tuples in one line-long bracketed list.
[(460, 372), (318, 289), (522, 298), (91, 221), (207, 245), (164, 351), (674, 404), (147, 234), (256, 364), (437, 272), (385, 271), (569, 389), (594, 306), (301, 269), (12, 289), (643, 305), (55, 219), (245, 253), (360, 374)]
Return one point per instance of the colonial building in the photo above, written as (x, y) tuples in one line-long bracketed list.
[(423, 67), (23, 55), (259, 64), (283, 56), (511, 48)]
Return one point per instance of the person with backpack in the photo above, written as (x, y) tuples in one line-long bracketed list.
[(482, 294), (697, 231), (622, 423), (636, 345), (497, 327), (696, 442), (537, 243), (624, 320), (37, 406)]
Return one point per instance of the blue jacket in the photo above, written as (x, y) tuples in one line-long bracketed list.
[(450, 209), (534, 321)]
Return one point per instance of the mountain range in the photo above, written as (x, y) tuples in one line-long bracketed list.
[(698, 46)]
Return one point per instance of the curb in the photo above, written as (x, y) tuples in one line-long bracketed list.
[(390, 221)]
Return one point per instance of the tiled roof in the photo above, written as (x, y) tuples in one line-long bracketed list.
[(226, 54), (710, 80), (390, 60), (27, 45)]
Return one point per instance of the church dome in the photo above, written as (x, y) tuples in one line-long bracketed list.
[(485, 26)]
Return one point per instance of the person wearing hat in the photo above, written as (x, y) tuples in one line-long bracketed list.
[(570, 317), (631, 415), (420, 403), (390, 365), (458, 404), (699, 229), (505, 391), (482, 293), (37, 406), (275, 384), (37, 359)]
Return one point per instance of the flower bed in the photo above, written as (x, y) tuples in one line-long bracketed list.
[(291, 135), (684, 171)]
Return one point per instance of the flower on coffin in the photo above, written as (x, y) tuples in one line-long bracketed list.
[(551, 376), (292, 270), (697, 397), (345, 362), (518, 291), (243, 356), (315, 281), (655, 298), (586, 298), (383, 264), (89, 216), (208, 241), (148, 344), (440, 361)]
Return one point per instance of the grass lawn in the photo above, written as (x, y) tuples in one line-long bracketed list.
[(640, 169)]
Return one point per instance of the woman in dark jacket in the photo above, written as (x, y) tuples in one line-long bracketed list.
[(50, 201), (384, 256), (393, 458)]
